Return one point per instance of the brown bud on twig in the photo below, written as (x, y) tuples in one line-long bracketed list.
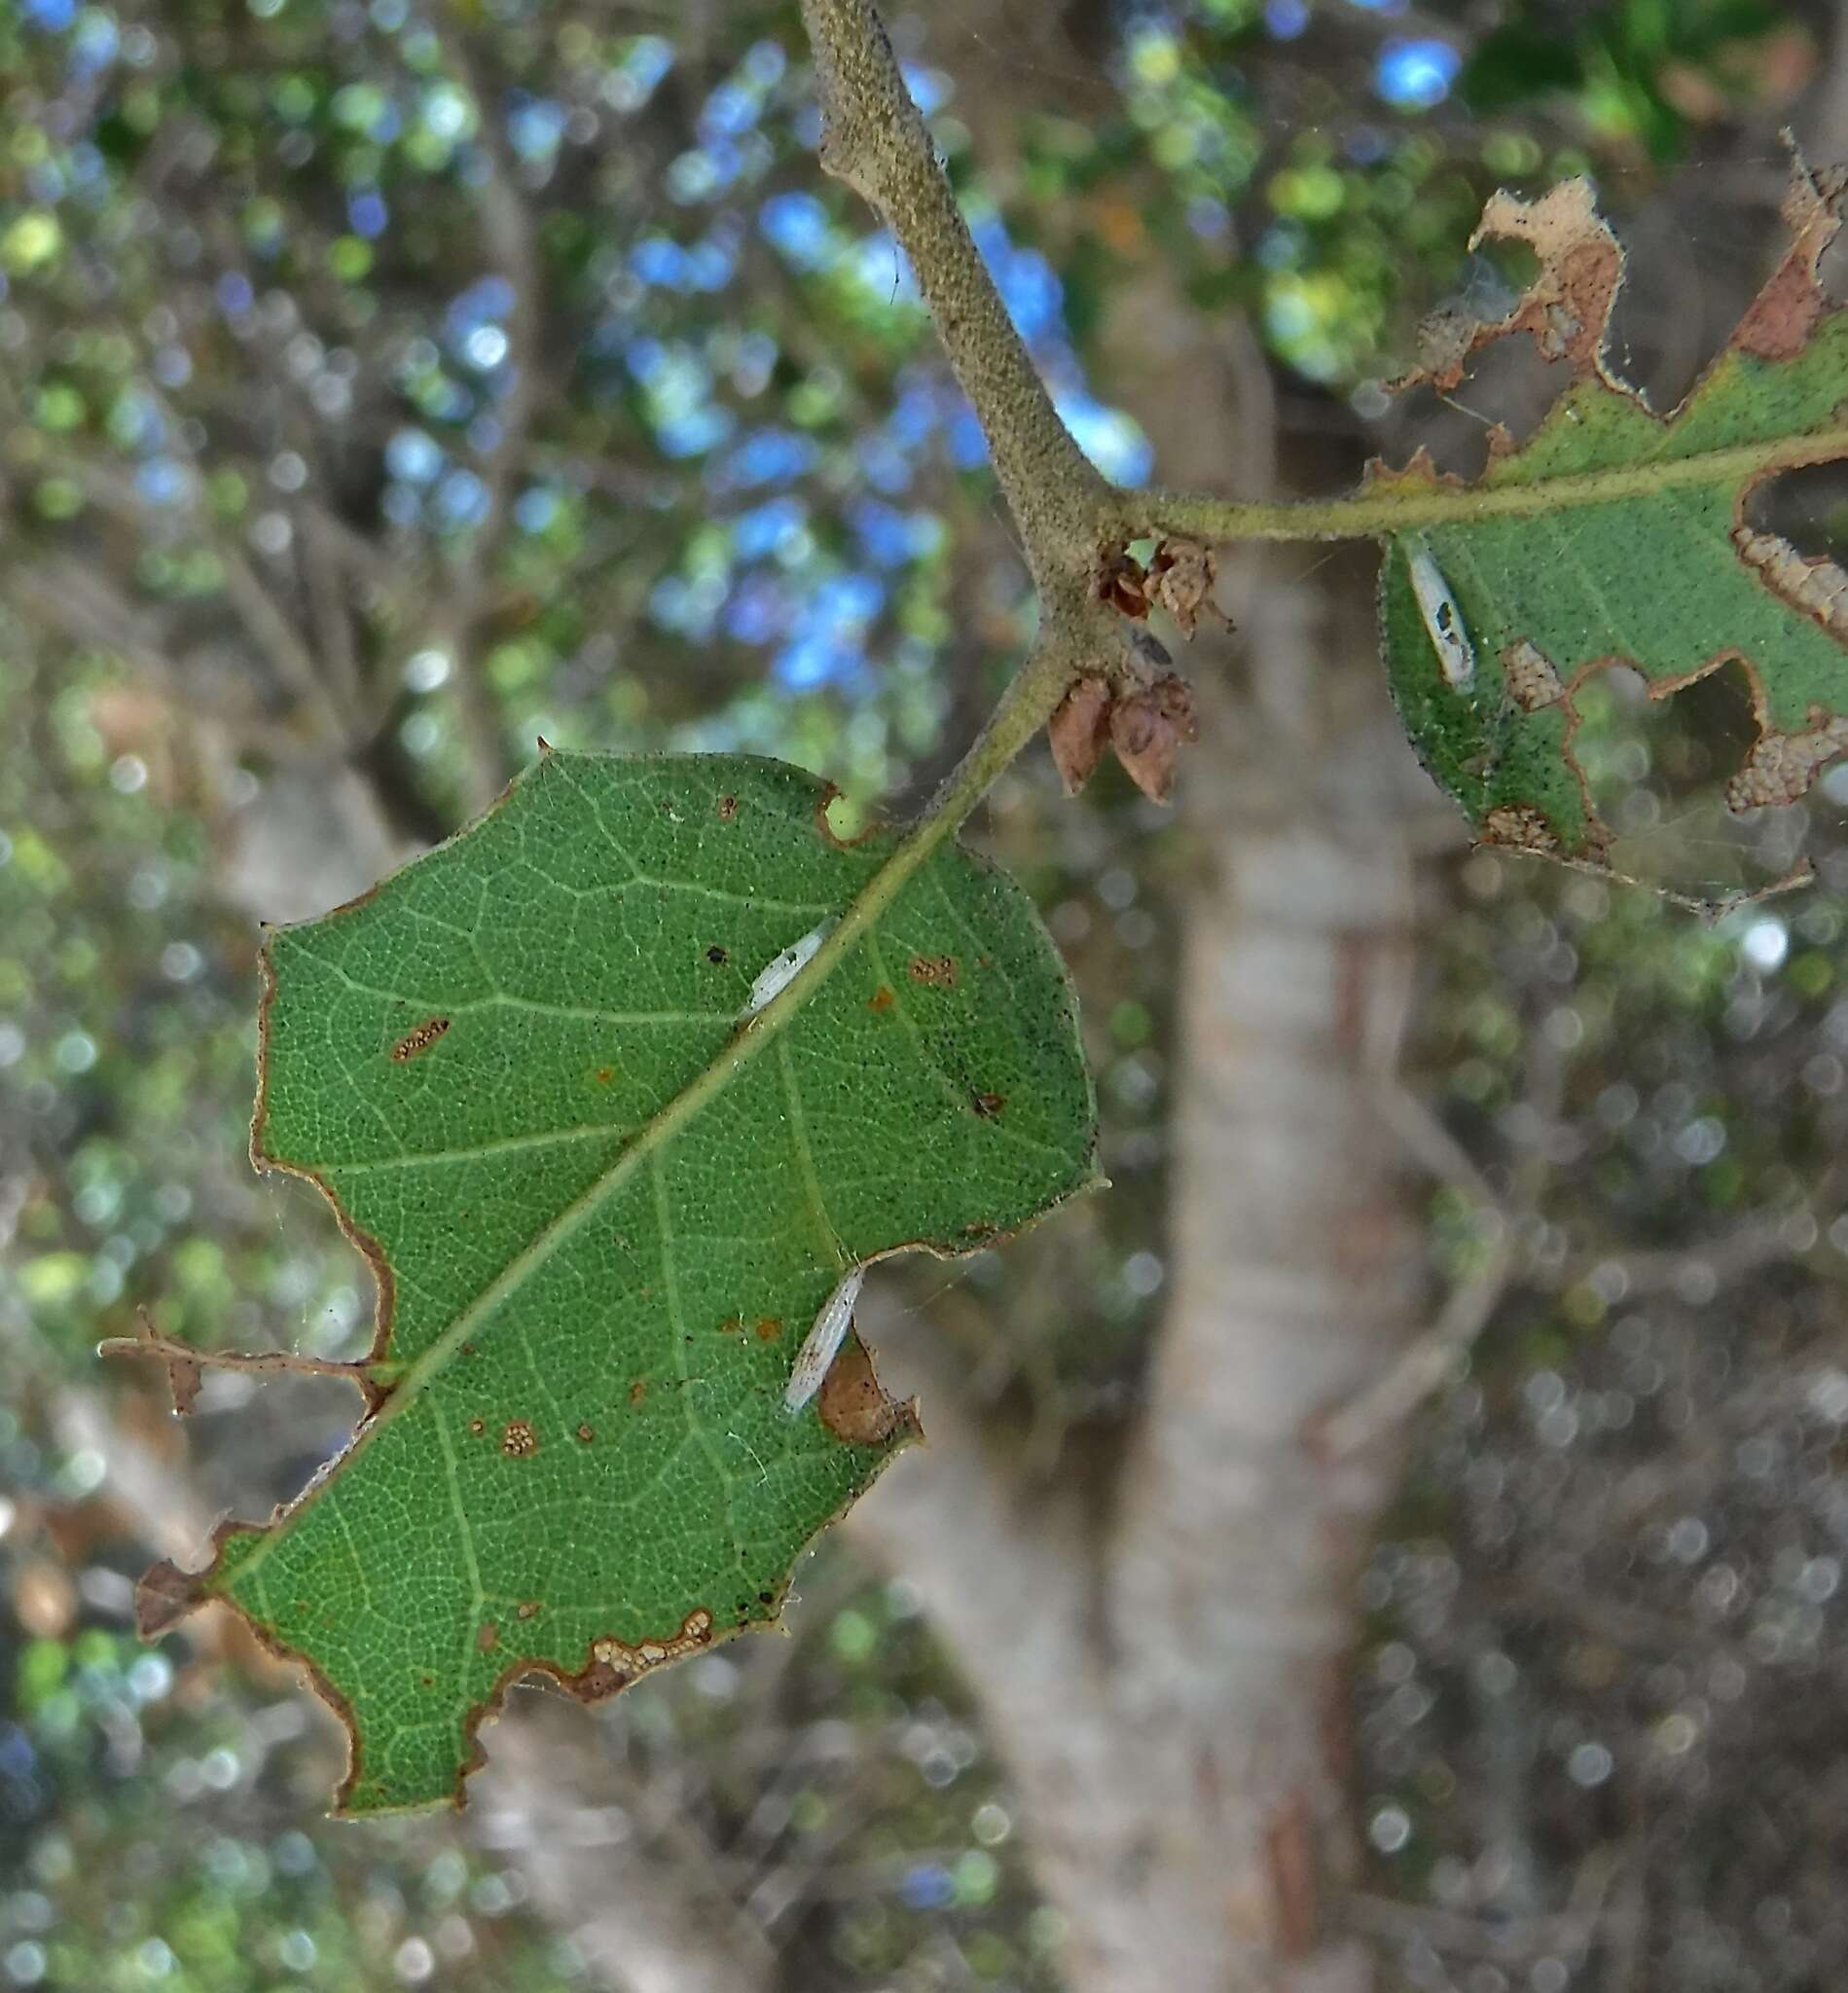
[(1079, 731), (1181, 575), (1147, 727), (1148, 730)]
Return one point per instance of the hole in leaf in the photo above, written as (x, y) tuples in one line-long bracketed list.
[(1807, 507), (846, 819), (1657, 770)]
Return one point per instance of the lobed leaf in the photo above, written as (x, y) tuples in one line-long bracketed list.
[(605, 1208), (1614, 536)]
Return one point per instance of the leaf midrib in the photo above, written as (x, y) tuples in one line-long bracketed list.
[(1644, 479), (753, 1036)]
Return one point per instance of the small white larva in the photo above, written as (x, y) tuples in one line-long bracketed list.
[(781, 969), (822, 1344), (1443, 620)]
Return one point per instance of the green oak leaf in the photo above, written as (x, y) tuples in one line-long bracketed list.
[(1614, 536), (605, 1209)]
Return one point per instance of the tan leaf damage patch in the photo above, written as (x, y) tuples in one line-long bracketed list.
[(419, 1040), (1567, 306), (1819, 588), (1773, 400), (614, 1663), (1520, 828), (1785, 312), (855, 1406), (1532, 681), (1781, 767)]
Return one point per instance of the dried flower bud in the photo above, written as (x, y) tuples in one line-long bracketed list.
[(1077, 732), (1182, 573)]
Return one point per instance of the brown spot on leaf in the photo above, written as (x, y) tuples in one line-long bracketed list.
[(526, 1609), (938, 971), (1532, 681), (881, 999), (587, 1433), (717, 955), (769, 1327), (519, 1439), (419, 1040), (731, 1325), (489, 1638), (478, 1427), (727, 809), (637, 1391), (605, 1074), (852, 1403), (987, 1106)]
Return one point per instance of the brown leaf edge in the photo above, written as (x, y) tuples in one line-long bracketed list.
[(1567, 313), (166, 1595), (859, 1404)]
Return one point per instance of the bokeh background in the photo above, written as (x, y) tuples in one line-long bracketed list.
[(384, 385)]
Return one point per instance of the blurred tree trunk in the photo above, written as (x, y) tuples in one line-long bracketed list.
[(643, 1919), (1168, 1684)]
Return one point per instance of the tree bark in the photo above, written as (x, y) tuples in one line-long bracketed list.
[(1168, 1691), (643, 1921), (1167, 1687)]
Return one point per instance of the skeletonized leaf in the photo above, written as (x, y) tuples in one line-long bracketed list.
[(1614, 536), (606, 1196)]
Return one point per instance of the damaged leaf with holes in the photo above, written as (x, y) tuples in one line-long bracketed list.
[(605, 1197), (1614, 535)]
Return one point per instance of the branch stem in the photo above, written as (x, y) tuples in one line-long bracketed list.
[(874, 137)]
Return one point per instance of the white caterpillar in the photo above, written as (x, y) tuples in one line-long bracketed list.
[(1443, 620), (782, 970), (822, 1344)]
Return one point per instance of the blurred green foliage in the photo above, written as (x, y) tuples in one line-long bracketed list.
[(253, 348)]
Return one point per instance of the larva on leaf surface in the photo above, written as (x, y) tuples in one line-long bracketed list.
[(1443, 619), (782, 970), (822, 1343)]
